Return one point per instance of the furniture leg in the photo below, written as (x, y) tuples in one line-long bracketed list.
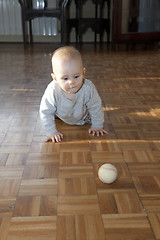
[(30, 31), (24, 31)]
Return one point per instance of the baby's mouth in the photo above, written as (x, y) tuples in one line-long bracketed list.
[(71, 87)]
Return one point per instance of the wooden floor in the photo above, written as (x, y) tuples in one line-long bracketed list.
[(52, 191)]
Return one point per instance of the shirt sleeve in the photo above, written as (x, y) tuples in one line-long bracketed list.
[(47, 111), (95, 109)]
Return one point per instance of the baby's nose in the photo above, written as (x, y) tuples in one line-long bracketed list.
[(71, 81)]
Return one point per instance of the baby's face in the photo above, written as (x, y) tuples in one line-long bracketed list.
[(69, 75)]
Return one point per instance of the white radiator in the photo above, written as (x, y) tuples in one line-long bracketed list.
[(10, 19)]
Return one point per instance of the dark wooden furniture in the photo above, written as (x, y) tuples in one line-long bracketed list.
[(136, 21), (98, 23), (29, 13)]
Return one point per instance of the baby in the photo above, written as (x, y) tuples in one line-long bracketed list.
[(70, 96)]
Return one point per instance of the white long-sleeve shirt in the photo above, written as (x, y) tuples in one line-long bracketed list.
[(86, 101)]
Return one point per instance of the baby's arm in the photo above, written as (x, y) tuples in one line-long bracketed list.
[(97, 131), (96, 113), (57, 137), (47, 115)]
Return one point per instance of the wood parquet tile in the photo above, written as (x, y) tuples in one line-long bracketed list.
[(52, 191), (80, 227), (43, 228), (16, 159), (27, 206), (75, 171), (7, 206), (36, 187), (42, 158), (104, 156), (14, 172), (104, 145), (155, 222), (9, 187), (147, 184), (3, 158), (4, 227), (35, 206), (123, 201), (18, 138), (77, 205), (44, 171), (151, 202), (75, 146), (77, 186), (44, 148), (75, 158), (67, 225), (136, 156), (144, 169), (127, 226), (15, 148)]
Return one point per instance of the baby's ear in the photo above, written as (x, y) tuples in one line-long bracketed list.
[(53, 76)]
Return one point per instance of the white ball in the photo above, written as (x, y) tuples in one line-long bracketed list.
[(107, 173)]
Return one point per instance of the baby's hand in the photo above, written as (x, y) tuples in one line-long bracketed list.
[(97, 131), (57, 137)]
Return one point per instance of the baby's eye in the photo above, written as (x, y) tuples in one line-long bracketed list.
[(76, 76), (65, 78)]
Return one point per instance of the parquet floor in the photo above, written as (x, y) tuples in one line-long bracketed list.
[(52, 191)]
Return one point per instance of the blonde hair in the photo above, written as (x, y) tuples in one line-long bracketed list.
[(66, 53)]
